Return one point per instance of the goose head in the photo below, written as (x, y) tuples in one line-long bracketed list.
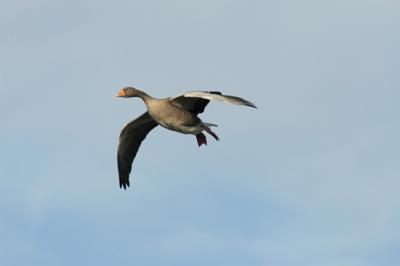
[(128, 92)]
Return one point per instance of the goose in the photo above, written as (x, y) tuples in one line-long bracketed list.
[(177, 113)]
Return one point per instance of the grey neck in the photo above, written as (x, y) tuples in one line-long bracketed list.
[(144, 96)]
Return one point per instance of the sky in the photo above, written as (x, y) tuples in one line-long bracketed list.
[(309, 178)]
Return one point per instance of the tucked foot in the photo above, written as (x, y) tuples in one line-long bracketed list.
[(212, 133), (201, 139)]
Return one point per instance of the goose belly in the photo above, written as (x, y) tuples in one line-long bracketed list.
[(182, 129), (177, 120)]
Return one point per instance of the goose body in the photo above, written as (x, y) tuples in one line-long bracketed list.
[(172, 117), (177, 113)]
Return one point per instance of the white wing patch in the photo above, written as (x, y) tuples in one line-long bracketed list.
[(218, 98)]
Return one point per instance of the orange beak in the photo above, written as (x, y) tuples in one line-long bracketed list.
[(121, 93)]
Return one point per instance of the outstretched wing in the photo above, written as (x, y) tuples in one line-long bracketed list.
[(194, 105), (130, 139), (196, 101)]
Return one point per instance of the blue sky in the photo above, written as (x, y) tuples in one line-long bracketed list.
[(309, 178)]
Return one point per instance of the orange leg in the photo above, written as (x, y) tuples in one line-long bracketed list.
[(211, 133), (201, 139)]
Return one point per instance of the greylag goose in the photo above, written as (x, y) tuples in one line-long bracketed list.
[(177, 113)]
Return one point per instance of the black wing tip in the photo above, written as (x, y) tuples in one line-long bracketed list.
[(124, 182), (249, 104), (124, 185), (123, 174)]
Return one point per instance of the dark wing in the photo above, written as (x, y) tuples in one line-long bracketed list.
[(194, 105), (196, 101), (130, 139)]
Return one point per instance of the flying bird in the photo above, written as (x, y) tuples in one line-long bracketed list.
[(177, 113)]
